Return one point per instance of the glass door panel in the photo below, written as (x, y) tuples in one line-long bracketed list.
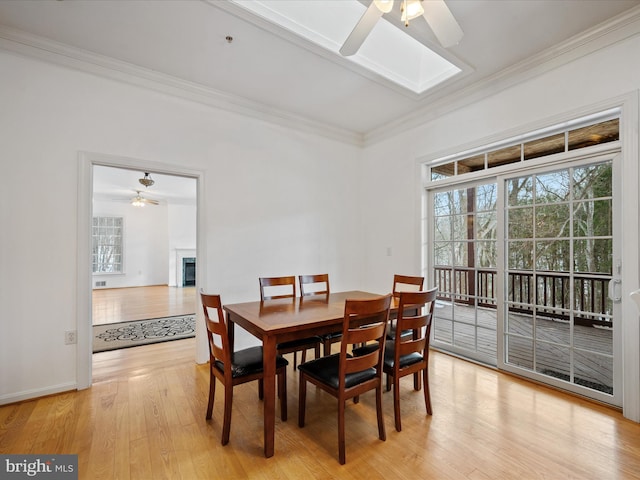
[(464, 269), (558, 265)]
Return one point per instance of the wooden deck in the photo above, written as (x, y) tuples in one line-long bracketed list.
[(592, 346)]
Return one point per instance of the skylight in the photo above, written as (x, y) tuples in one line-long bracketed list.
[(388, 51)]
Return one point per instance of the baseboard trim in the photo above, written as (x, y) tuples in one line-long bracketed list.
[(37, 393)]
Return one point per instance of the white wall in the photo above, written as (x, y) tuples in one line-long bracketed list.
[(146, 244), (276, 202)]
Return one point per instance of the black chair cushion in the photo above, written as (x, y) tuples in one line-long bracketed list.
[(391, 334), (389, 350), (405, 360), (249, 361), (301, 342), (326, 369), (365, 349)]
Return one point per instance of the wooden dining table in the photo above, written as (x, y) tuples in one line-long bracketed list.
[(280, 320)]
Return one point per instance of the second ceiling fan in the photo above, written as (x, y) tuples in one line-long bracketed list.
[(436, 13)]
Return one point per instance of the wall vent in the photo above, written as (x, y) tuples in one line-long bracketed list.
[(101, 283)]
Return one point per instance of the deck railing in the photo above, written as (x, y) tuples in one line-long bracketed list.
[(549, 297)]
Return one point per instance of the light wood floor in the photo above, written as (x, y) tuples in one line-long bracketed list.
[(143, 418), (111, 305)]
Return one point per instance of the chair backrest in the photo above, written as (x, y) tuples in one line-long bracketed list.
[(364, 321), (422, 303), (217, 334), (284, 287), (400, 283), (314, 284)]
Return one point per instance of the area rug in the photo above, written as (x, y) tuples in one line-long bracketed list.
[(113, 336)]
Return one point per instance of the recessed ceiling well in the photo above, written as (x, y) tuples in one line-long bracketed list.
[(388, 50)]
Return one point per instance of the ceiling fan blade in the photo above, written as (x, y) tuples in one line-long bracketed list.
[(150, 202), (362, 29), (442, 22)]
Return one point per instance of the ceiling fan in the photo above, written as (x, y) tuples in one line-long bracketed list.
[(436, 13), (140, 201)]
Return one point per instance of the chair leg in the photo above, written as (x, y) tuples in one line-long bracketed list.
[(302, 396), (226, 424), (396, 403), (295, 358), (341, 437), (382, 434), (326, 345), (416, 381), (212, 394), (282, 393), (427, 393), (388, 382), (261, 389)]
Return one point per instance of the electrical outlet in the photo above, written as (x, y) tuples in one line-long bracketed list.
[(69, 337)]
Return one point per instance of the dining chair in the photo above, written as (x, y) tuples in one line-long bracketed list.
[(345, 376), (403, 283), (234, 368), (409, 354), (319, 285), (272, 288)]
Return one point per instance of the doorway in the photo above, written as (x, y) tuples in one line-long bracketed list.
[(142, 223), (136, 272), (87, 163)]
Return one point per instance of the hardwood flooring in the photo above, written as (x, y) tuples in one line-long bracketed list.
[(113, 305), (144, 418)]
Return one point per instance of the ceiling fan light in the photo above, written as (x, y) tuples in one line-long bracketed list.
[(384, 6), (412, 9), (137, 201)]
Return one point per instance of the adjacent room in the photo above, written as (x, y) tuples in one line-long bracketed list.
[(165, 162), (143, 243)]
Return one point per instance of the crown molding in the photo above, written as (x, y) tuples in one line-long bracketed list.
[(34, 46), (618, 29)]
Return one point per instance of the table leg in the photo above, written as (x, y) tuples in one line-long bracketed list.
[(269, 364)]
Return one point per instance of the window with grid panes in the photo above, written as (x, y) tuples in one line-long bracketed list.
[(107, 244)]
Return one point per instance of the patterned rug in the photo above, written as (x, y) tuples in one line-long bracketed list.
[(113, 336)]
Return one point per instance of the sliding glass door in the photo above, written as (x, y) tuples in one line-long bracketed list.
[(559, 314), (527, 274)]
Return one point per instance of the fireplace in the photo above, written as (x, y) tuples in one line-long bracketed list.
[(188, 272), (183, 257)]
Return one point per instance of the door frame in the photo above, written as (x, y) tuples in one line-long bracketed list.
[(86, 162)]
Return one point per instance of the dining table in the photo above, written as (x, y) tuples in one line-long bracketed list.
[(284, 319)]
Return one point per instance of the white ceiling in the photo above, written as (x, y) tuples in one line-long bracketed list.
[(273, 72), (269, 70), (120, 185)]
